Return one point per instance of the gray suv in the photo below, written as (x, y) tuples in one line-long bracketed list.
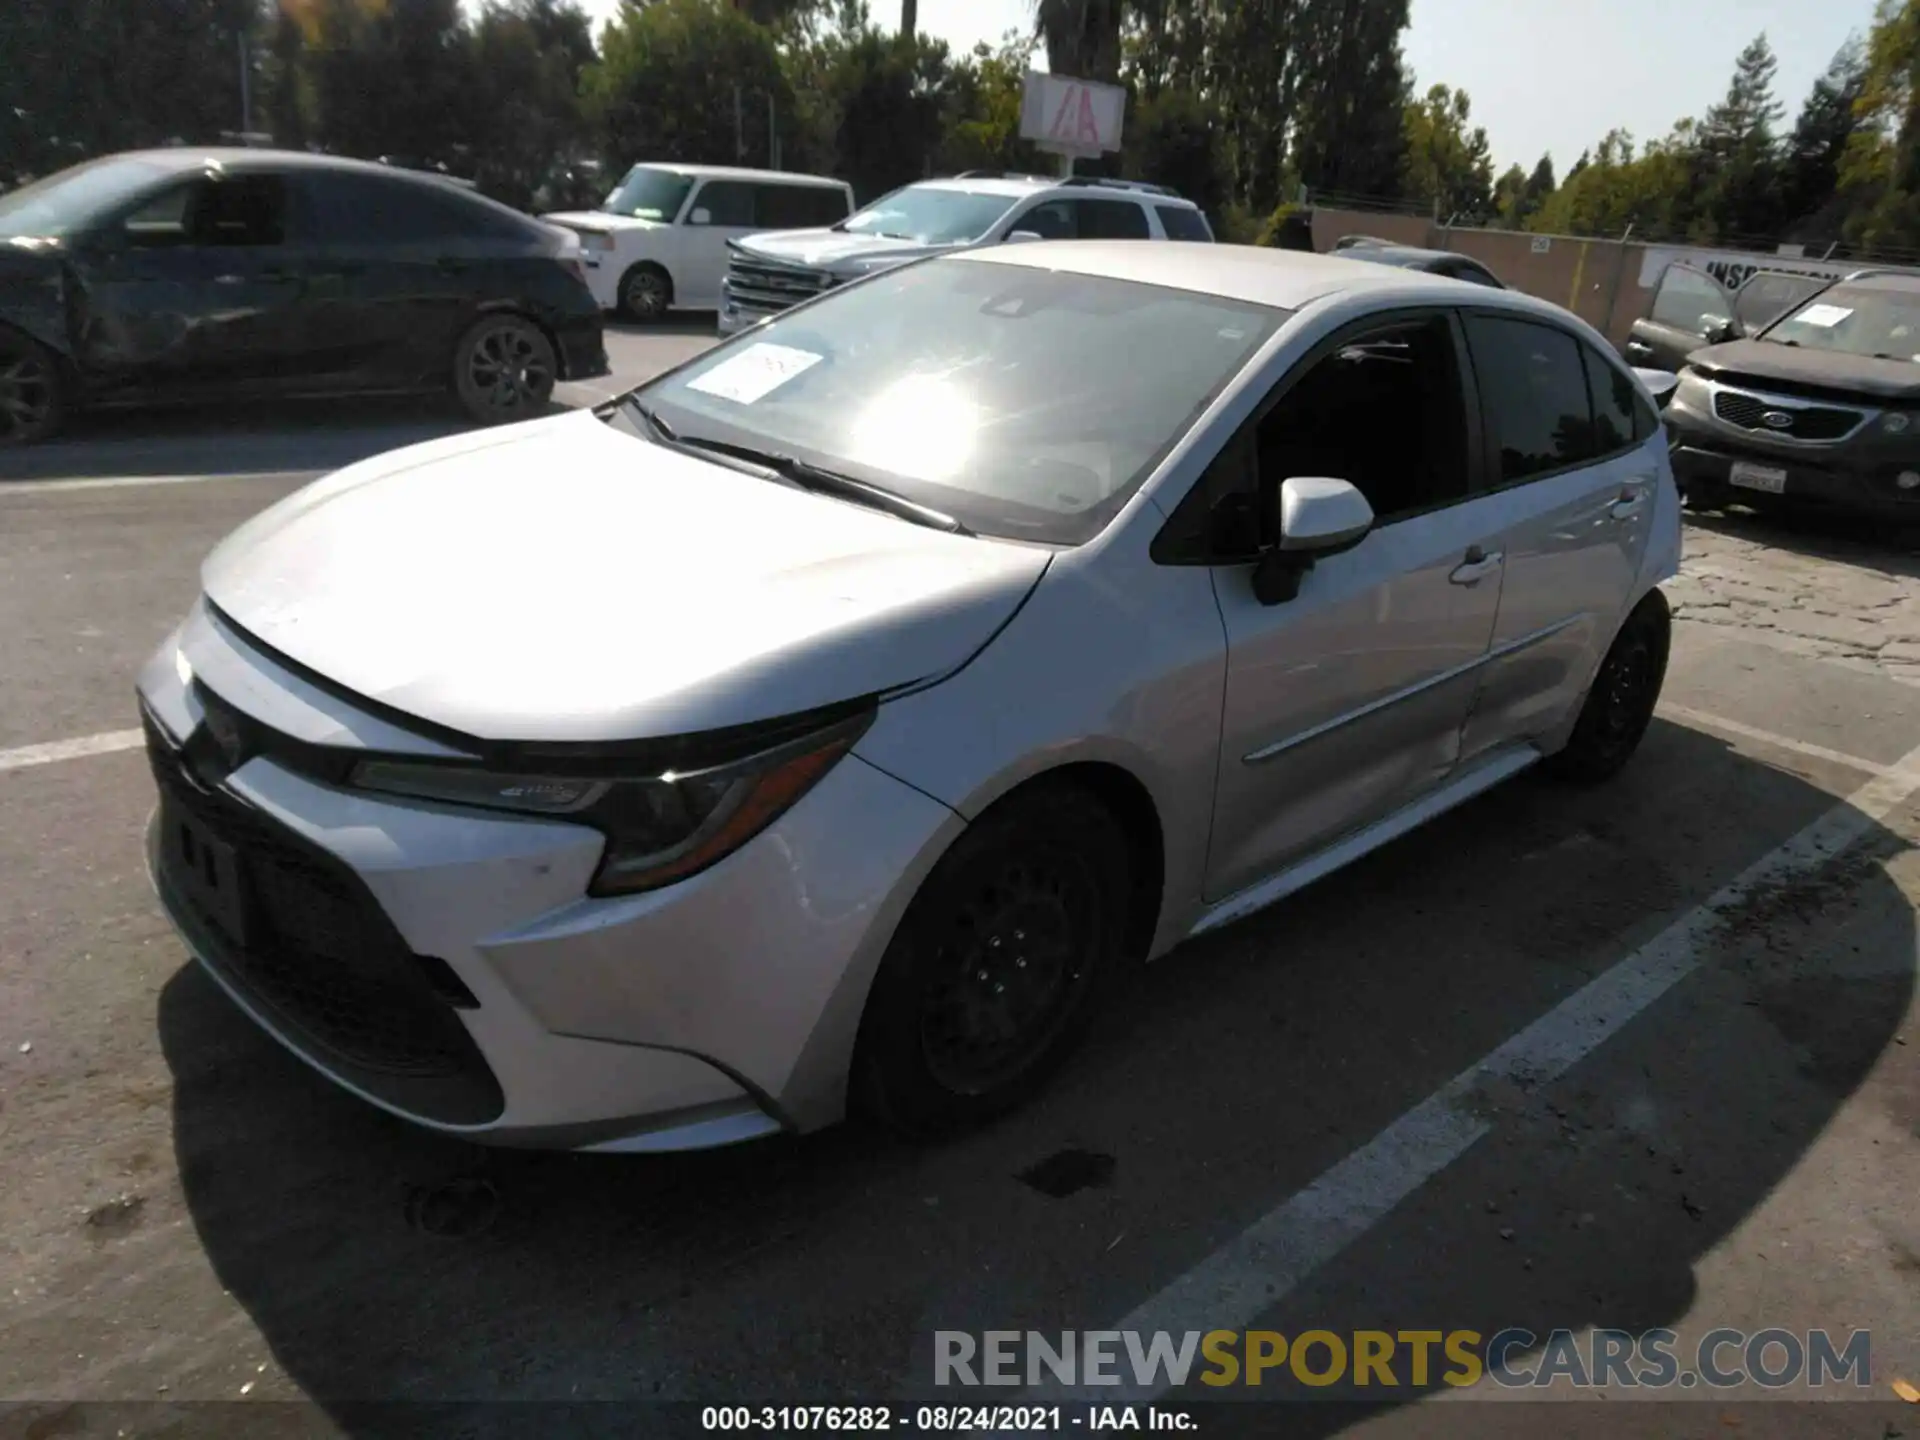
[(768, 273)]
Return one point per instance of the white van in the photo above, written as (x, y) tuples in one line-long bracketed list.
[(659, 241)]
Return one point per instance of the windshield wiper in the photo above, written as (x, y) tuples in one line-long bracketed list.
[(809, 476)]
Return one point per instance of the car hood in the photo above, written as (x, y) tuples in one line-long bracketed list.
[(826, 249), (1766, 360), (564, 581), (601, 221)]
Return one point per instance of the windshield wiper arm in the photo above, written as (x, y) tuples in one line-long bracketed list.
[(809, 476)]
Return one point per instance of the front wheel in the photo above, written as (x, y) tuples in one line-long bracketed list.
[(504, 370), (991, 979), (1619, 706), (646, 294), (30, 391)]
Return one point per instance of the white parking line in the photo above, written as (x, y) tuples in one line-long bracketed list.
[(1258, 1268), (1706, 721), (23, 756)]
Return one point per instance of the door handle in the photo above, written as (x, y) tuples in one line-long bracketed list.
[(1476, 567), (1636, 350), (1633, 499)]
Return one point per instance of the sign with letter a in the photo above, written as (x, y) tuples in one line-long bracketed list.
[(1071, 117)]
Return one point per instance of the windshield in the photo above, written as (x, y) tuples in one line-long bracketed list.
[(69, 201), (1855, 320), (1026, 403), (647, 194), (931, 216)]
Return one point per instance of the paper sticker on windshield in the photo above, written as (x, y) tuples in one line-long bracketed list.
[(756, 371), (1825, 316)]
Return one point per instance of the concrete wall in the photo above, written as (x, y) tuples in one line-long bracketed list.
[(1606, 283)]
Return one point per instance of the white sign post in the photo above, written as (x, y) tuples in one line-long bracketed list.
[(1069, 117)]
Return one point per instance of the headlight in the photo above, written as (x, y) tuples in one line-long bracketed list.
[(659, 829), (1894, 423)]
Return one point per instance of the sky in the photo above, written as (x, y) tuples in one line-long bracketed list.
[(1545, 76)]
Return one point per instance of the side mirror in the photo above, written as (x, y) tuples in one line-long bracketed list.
[(1021, 237), (700, 216), (1716, 329), (1318, 515), (1660, 384)]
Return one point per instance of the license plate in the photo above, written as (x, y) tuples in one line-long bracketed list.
[(1770, 478), (207, 871)]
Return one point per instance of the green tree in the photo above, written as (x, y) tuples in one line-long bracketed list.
[(985, 129), (665, 85), (1082, 37), (529, 56), (1810, 170), (1739, 169), (1449, 167), (1351, 93), (1518, 195)]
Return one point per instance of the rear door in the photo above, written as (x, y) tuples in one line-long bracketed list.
[(798, 207), (1573, 462), (1110, 220), (1690, 309), (401, 267)]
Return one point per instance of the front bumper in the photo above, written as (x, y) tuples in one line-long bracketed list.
[(716, 1010), (1850, 477)]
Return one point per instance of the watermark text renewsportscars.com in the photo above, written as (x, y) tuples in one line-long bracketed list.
[(1774, 1359)]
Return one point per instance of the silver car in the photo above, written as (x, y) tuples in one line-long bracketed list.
[(826, 722)]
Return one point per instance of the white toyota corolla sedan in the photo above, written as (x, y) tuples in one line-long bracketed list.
[(825, 722)]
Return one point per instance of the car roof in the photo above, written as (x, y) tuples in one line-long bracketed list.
[(1253, 274), (1014, 187), (1882, 280), (180, 158), (737, 172), (1406, 255)]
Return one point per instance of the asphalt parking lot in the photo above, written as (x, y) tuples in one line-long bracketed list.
[(1641, 1056)]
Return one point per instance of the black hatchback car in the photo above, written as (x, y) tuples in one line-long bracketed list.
[(188, 274)]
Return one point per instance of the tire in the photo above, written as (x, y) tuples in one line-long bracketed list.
[(504, 370), (1032, 899), (32, 391), (646, 294), (1619, 705)]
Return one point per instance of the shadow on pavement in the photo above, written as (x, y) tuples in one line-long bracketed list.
[(257, 438), (1225, 1079), (1820, 534)]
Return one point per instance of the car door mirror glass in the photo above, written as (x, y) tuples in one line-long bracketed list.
[(700, 216), (1716, 329)]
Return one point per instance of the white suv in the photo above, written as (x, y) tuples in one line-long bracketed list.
[(768, 273), (659, 242)]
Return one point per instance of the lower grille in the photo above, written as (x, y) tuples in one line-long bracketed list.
[(1813, 422), (767, 287), (318, 954)]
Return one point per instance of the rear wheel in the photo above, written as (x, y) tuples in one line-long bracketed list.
[(31, 389), (1619, 706), (504, 370), (646, 294), (991, 979)]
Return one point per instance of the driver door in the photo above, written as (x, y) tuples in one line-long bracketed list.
[(1349, 701), (1690, 309)]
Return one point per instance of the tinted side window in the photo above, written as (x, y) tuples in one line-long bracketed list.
[(798, 207), (1615, 426), (1054, 220), (239, 210), (727, 202), (375, 210), (1688, 300), (1534, 389), (1181, 223), (1111, 220)]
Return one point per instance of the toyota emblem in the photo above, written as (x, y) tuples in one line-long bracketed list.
[(1777, 420)]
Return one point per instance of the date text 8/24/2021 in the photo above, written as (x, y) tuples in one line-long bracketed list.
[(943, 1419)]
